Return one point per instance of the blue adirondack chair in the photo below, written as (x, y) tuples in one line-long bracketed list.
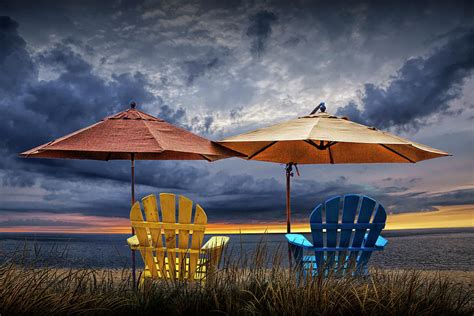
[(344, 236)]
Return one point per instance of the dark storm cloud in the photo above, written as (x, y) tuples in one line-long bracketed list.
[(197, 68), (208, 120), (203, 125), (263, 207), (41, 110), (225, 197), (16, 178), (259, 31), (264, 199), (422, 87), (170, 115), (198, 124), (294, 41), (77, 96), (39, 222), (17, 67), (464, 196), (10, 40), (236, 113)]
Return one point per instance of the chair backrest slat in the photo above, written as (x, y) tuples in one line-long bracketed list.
[(184, 217), (366, 209), (200, 217), (151, 212), (379, 218), (332, 216), (351, 203), (317, 234), (347, 225), (352, 224), (168, 212), (143, 239)]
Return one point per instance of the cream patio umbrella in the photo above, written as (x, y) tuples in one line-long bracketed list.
[(321, 138)]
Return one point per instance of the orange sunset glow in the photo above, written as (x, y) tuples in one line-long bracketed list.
[(444, 217)]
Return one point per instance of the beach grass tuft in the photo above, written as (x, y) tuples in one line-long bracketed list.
[(256, 283)]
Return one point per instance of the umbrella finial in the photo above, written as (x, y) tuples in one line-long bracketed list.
[(321, 107), (133, 104)]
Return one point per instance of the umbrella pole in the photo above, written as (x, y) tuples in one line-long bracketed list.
[(132, 160), (288, 169), (288, 197)]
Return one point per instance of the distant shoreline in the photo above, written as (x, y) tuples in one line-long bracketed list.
[(386, 232)]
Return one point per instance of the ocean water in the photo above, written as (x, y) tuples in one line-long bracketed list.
[(432, 249)]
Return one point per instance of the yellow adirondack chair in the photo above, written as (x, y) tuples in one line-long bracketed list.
[(156, 239)]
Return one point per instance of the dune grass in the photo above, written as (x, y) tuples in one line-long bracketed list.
[(252, 284)]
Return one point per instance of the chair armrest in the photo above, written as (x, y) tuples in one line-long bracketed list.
[(215, 242), (213, 250), (381, 242), (298, 240), (133, 242)]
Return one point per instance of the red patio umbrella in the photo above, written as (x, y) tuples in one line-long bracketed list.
[(131, 135)]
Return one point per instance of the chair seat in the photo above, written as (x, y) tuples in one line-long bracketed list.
[(198, 275), (309, 262), (313, 258)]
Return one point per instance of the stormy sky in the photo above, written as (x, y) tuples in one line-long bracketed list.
[(219, 68)]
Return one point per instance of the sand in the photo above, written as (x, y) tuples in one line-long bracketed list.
[(466, 278), (463, 277)]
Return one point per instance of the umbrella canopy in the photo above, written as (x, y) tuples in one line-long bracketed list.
[(321, 138), (131, 132), (327, 139)]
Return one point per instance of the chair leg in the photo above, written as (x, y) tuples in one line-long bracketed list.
[(289, 257), (297, 254)]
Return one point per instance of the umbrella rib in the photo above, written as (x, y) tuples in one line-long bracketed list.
[(152, 135), (203, 156), (320, 147), (261, 150), (311, 143), (331, 159), (397, 153)]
